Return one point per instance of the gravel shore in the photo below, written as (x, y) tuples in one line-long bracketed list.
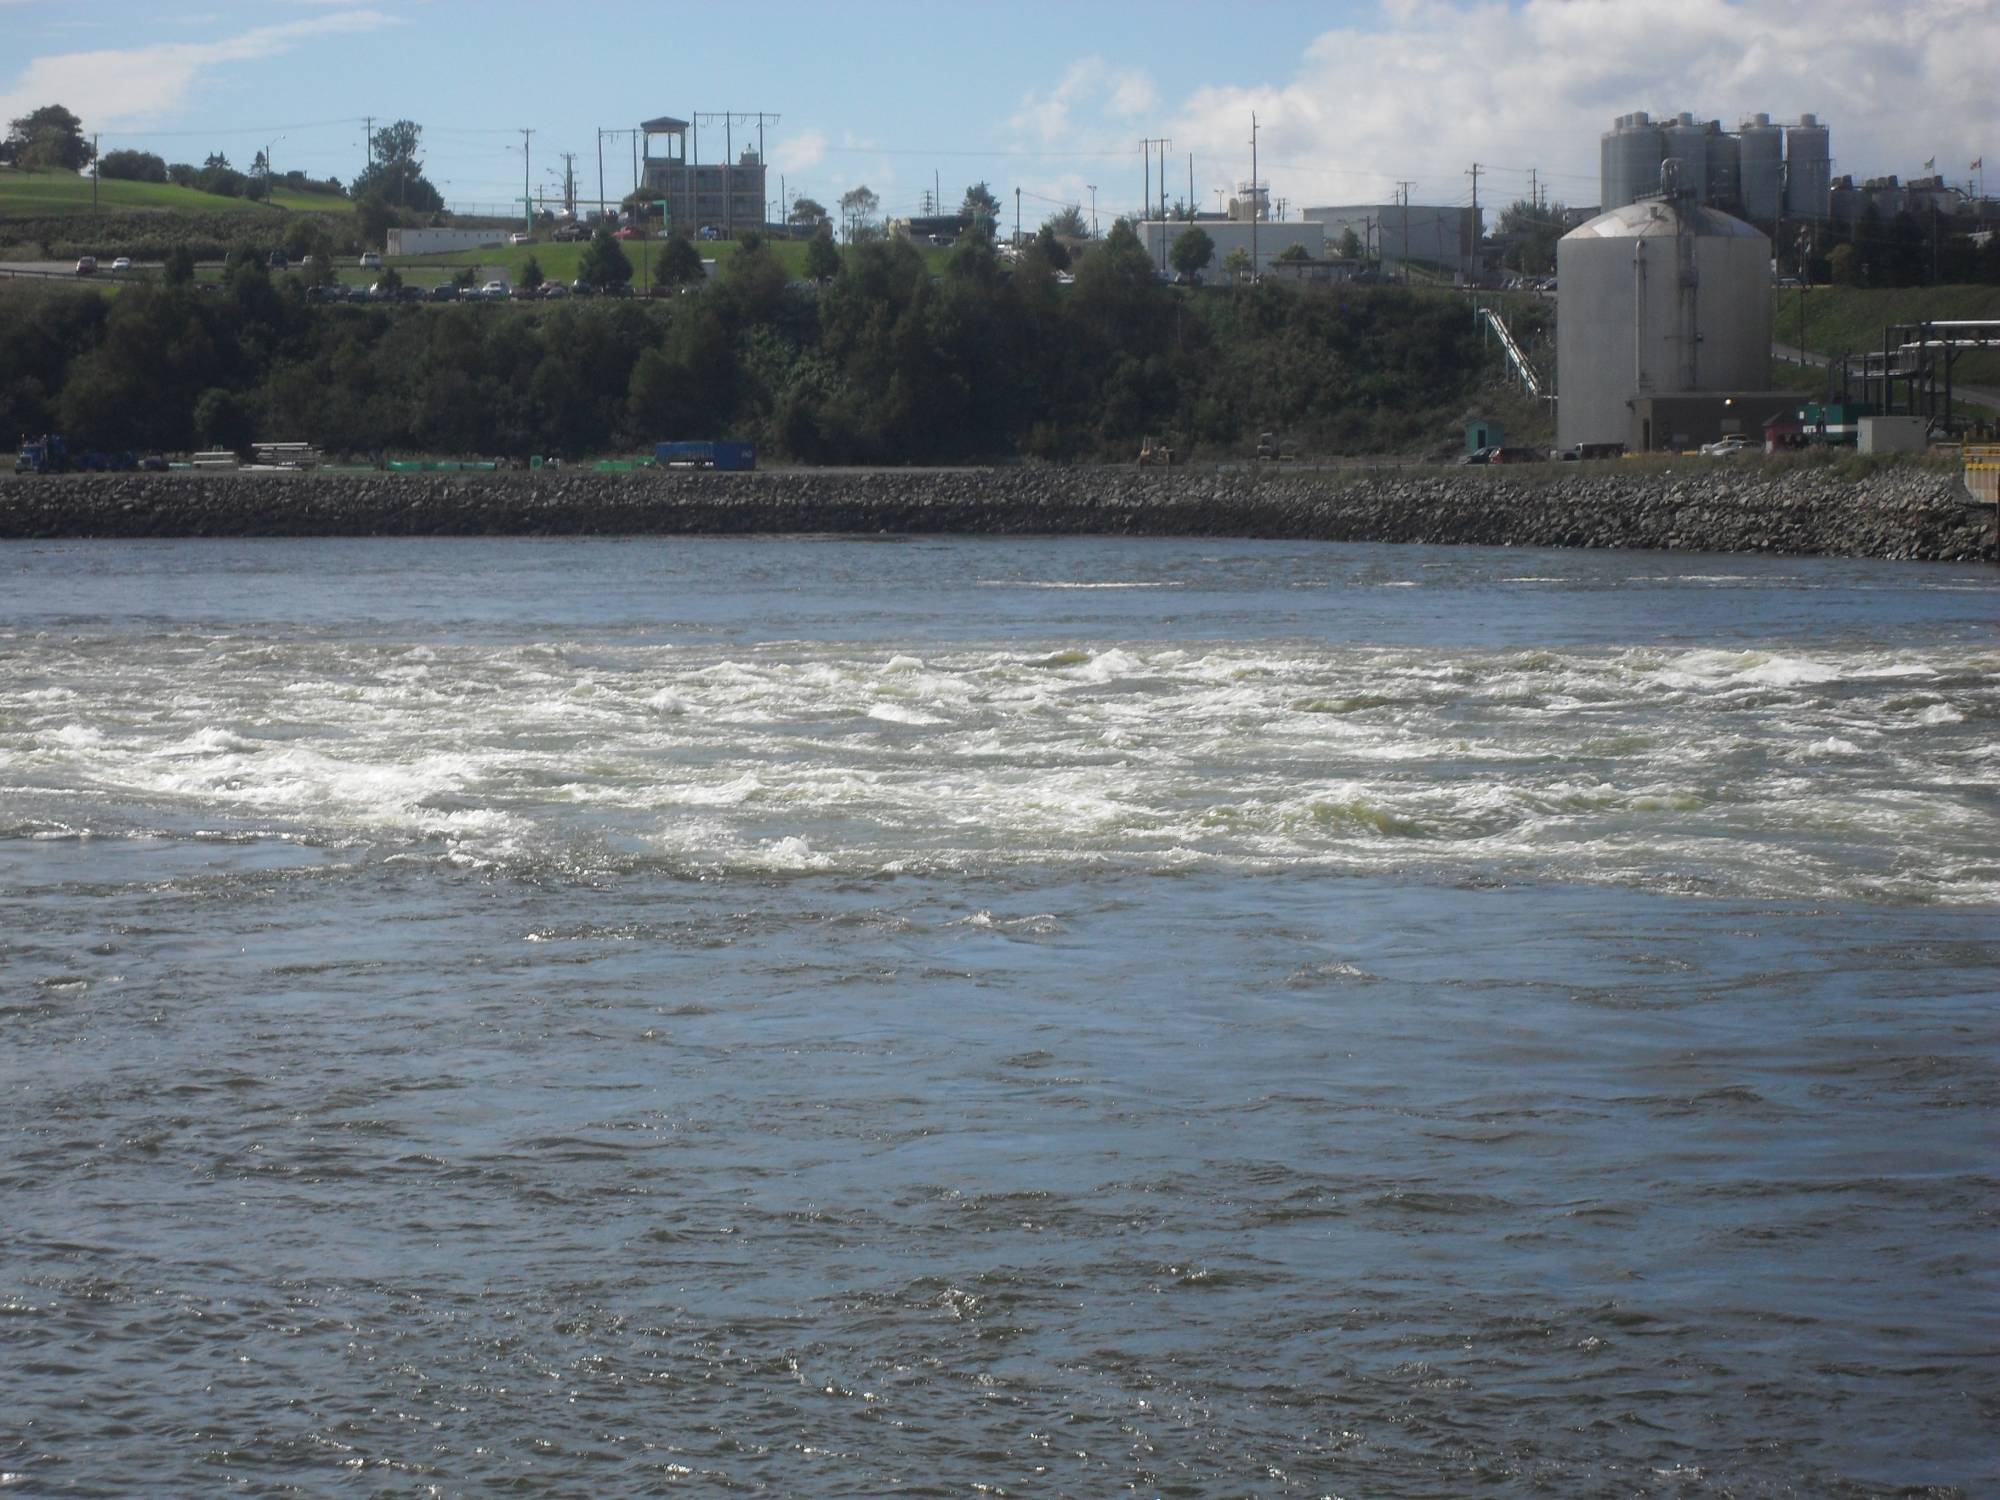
[(1706, 506)]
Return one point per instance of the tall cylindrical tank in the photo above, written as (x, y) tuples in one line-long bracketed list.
[(1808, 169), (1629, 156), (1657, 298), (1687, 148), (1761, 147), (1725, 168)]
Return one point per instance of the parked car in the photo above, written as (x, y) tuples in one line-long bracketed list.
[(123, 263), (582, 288), (710, 232), (1516, 456), (1478, 456), (278, 261), (370, 261), (1728, 445), (86, 265), (448, 292), (627, 233), (494, 291), (621, 289), (550, 290), (517, 238)]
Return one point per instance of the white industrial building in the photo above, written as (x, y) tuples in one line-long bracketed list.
[(1272, 240), (436, 241), (1437, 235)]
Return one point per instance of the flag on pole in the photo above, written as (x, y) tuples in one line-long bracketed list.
[(1978, 162), (1930, 163)]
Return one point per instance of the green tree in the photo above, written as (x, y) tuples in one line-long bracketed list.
[(223, 420), (1349, 246), (1294, 254), (1051, 249), (1530, 231), (822, 256), (679, 263), (1193, 251), (178, 269), (857, 210), (50, 138), (1069, 223), (531, 273), (131, 166), (1236, 264), (807, 212), (395, 173), (603, 263)]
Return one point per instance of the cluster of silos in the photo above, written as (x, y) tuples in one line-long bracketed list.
[(1768, 169), (1659, 298)]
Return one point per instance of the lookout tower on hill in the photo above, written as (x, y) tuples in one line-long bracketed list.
[(727, 196)]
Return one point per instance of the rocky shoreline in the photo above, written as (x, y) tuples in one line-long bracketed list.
[(1909, 513)]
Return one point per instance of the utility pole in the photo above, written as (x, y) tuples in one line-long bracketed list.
[(1471, 250), (527, 194), (1146, 153), (1254, 190), (1534, 192), (569, 183), (1164, 145), (1191, 202), (368, 140), (1403, 250), (1017, 218), (600, 171), (1093, 208), (96, 164)]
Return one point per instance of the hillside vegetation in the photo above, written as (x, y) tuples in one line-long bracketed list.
[(886, 363)]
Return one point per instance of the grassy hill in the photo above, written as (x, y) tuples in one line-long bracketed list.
[(50, 195), (1849, 320)]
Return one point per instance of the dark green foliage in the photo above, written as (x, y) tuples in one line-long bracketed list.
[(1193, 251), (395, 174), (1051, 249), (889, 361), (132, 166), (530, 275), (823, 256), (48, 139), (679, 263), (603, 262)]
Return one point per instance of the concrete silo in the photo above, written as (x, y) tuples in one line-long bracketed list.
[(1762, 147), (1629, 157), (1725, 168), (1658, 298), (1687, 152), (1808, 169)]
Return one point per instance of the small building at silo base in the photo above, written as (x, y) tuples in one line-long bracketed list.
[(1688, 419), (1661, 298)]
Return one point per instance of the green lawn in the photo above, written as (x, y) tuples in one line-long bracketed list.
[(47, 195), (1849, 320)]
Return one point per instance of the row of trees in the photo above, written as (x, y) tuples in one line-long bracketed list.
[(885, 363)]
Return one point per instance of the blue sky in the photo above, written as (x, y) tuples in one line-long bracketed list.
[(1048, 98)]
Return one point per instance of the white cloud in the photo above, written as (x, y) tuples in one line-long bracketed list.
[(1431, 86), (799, 153), (135, 86), (1088, 85)]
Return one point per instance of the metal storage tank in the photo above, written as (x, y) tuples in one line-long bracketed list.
[(1630, 155), (1687, 144), (1762, 151), (1808, 169), (1725, 168), (1657, 298)]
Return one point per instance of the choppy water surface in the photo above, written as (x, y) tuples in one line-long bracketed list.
[(841, 1017)]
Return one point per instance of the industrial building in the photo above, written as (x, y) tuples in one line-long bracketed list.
[(1436, 235), (725, 196), (1665, 335), (1763, 170), (1272, 239)]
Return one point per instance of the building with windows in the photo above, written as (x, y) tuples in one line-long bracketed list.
[(725, 196), (1442, 237)]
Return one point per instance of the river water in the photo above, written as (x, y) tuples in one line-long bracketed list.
[(850, 1016)]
